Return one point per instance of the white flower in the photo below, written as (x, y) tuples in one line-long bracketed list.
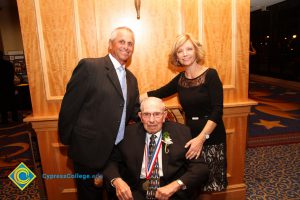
[(167, 140)]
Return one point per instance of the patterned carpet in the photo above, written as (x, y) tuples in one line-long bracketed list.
[(276, 118), (18, 143), (15, 146), (273, 172)]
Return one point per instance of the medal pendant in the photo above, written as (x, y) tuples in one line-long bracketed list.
[(146, 185)]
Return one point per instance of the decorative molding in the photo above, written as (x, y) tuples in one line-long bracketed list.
[(50, 97), (69, 190), (230, 133), (41, 124), (237, 111), (229, 86), (77, 29), (236, 186), (39, 25), (57, 145), (42, 47), (200, 21), (232, 84), (181, 28), (97, 25)]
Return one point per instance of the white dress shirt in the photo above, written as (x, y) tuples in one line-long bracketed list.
[(116, 65)]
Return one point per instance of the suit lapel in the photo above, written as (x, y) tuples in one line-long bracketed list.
[(112, 75), (140, 146), (165, 156), (129, 85)]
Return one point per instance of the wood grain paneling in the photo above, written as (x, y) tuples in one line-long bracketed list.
[(57, 32), (55, 162), (192, 17), (33, 54), (218, 38), (63, 36), (87, 36)]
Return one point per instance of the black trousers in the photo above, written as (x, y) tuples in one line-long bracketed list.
[(86, 189)]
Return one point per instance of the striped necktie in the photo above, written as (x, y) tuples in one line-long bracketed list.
[(154, 179)]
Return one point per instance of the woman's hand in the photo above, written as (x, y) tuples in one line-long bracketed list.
[(143, 96), (195, 145)]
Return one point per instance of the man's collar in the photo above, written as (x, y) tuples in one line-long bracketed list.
[(114, 61), (157, 134)]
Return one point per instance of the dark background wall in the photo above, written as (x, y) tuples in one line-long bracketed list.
[(275, 34)]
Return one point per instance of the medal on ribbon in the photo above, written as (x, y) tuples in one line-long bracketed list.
[(150, 162), (146, 185)]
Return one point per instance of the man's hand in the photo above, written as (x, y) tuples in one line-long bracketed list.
[(123, 191), (167, 191)]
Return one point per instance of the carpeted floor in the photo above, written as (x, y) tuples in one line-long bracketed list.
[(273, 167), (276, 118), (273, 172), (18, 144), (15, 145)]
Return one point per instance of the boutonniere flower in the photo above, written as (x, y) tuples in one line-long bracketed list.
[(167, 140)]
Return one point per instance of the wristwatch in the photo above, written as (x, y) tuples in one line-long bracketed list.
[(181, 184), (206, 136)]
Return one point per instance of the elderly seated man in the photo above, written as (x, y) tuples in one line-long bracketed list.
[(150, 161)]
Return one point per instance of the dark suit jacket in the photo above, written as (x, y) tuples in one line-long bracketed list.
[(91, 110), (126, 160), (7, 87)]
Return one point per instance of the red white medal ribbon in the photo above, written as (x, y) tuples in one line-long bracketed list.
[(149, 166)]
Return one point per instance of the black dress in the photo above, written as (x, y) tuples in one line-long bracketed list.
[(202, 99)]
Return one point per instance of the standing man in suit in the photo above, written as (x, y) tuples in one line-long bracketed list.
[(101, 97), (130, 169), (7, 91)]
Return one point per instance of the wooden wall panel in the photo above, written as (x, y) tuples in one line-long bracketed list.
[(87, 36), (242, 49), (239, 95), (223, 28), (156, 42), (218, 38), (235, 128), (192, 17), (54, 162), (80, 31), (57, 42), (32, 48)]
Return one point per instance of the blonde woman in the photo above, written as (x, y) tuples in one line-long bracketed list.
[(200, 94)]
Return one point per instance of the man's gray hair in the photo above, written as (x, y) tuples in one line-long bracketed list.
[(114, 33), (153, 99)]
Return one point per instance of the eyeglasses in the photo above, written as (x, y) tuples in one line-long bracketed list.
[(156, 115)]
